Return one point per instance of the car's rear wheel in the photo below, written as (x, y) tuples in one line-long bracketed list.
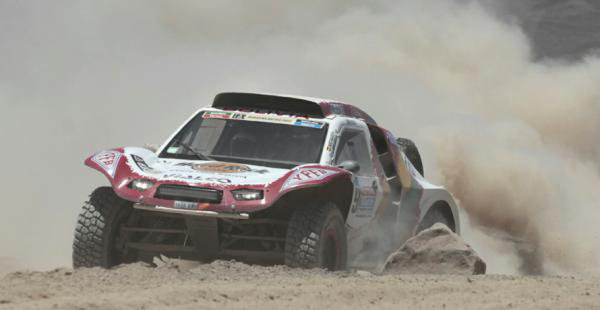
[(435, 216), (316, 238), (97, 227)]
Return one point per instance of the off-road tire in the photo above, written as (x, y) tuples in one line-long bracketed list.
[(96, 229), (412, 152), (432, 217), (316, 238)]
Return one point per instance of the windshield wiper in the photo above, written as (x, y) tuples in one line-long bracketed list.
[(196, 153)]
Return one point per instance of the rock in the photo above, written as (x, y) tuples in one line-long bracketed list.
[(436, 250), (363, 273), (174, 263)]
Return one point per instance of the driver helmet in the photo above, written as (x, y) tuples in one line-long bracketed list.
[(243, 144)]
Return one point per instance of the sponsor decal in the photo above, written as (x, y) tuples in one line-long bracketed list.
[(223, 168), (355, 199), (365, 205), (221, 115), (368, 188), (173, 149), (365, 195), (108, 161), (196, 178), (239, 116), (141, 163), (307, 123), (268, 111), (331, 145), (303, 175), (268, 118), (337, 108)]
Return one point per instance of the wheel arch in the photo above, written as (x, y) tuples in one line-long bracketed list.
[(339, 191), (443, 201), (444, 208)]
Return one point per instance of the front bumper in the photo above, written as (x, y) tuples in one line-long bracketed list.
[(203, 213)]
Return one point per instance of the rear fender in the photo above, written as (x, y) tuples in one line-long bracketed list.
[(440, 197)]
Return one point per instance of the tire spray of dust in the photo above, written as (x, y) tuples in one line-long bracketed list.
[(525, 163)]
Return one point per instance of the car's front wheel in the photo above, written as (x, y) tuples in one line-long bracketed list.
[(316, 238), (98, 223)]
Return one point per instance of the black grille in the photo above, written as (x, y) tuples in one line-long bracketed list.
[(188, 193)]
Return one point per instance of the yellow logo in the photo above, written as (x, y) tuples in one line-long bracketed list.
[(222, 167)]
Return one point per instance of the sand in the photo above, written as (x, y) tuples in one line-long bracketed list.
[(232, 285)]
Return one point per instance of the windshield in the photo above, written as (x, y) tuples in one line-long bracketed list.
[(259, 139)]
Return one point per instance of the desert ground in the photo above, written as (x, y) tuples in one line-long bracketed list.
[(232, 285)]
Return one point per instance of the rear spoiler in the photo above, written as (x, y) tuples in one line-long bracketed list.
[(249, 101)]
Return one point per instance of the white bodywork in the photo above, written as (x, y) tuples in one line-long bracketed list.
[(365, 217)]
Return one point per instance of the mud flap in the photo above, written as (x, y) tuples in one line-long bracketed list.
[(204, 233)]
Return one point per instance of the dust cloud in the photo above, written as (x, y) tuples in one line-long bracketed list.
[(514, 140)]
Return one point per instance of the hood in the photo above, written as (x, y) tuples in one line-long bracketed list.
[(147, 164)]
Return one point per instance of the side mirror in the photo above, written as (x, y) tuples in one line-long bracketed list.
[(350, 165)]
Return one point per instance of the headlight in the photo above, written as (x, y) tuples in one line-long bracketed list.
[(141, 184), (247, 194)]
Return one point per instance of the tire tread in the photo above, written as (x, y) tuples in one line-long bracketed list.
[(92, 231), (300, 250)]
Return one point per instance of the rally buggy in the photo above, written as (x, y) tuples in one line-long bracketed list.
[(265, 179)]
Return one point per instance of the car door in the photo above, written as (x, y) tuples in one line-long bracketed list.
[(353, 145)]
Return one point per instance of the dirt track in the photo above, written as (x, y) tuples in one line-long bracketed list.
[(237, 286)]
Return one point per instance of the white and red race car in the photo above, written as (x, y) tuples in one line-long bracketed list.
[(266, 179)]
